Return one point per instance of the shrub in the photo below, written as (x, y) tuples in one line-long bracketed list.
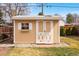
[(67, 31), (75, 30), (62, 31)]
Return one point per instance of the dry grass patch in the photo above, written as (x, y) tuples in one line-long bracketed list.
[(71, 50), (72, 41)]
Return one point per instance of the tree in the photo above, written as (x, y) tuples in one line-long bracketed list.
[(13, 9), (40, 14), (69, 18), (1, 20)]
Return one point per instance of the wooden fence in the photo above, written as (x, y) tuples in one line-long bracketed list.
[(7, 30)]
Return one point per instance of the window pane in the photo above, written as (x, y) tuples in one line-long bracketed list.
[(25, 25)]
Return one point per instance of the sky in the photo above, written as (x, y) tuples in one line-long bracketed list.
[(56, 8)]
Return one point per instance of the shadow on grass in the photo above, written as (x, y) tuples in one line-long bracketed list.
[(60, 51), (64, 51), (73, 37)]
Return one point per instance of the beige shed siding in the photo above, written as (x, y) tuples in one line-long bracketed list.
[(40, 26), (26, 36), (30, 36), (56, 32), (47, 26)]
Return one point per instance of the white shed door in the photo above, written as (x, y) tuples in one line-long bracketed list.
[(44, 37)]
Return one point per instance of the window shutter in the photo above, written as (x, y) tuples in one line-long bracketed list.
[(30, 26), (19, 26)]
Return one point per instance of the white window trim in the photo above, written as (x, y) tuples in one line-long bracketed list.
[(30, 26), (20, 26)]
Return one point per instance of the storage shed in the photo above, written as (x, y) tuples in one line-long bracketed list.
[(36, 30)]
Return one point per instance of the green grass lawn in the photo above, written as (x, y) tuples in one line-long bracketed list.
[(71, 50)]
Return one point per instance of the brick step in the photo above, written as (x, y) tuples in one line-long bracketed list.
[(38, 45), (7, 45), (34, 45)]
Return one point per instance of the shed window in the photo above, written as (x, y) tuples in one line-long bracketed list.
[(25, 25)]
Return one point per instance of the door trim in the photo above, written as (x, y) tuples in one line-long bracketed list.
[(44, 25), (37, 31), (52, 31)]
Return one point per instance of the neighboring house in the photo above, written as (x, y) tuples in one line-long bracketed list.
[(43, 30)]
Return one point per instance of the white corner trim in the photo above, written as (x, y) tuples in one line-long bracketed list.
[(58, 32), (52, 31), (14, 32)]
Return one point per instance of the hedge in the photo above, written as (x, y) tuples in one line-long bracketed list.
[(68, 31)]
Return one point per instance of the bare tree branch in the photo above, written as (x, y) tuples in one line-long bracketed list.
[(10, 8)]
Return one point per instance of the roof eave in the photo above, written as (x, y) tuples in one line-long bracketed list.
[(36, 18)]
